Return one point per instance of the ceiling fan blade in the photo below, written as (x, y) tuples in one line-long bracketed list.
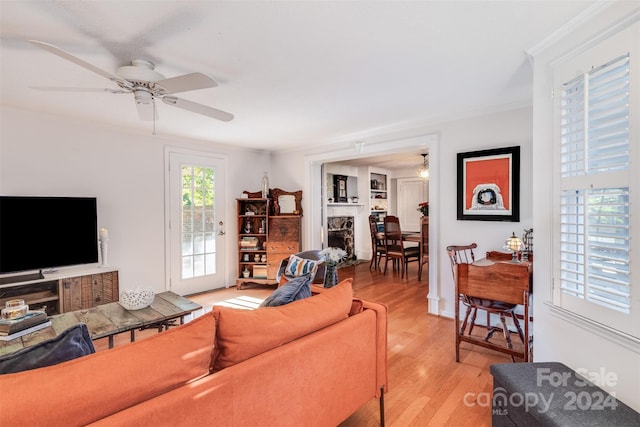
[(186, 83), (76, 89), (69, 57), (198, 108)]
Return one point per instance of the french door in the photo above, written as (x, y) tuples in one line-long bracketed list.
[(196, 212)]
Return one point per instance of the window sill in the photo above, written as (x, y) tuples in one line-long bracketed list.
[(628, 341)]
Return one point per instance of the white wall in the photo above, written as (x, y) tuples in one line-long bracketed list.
[(565, 339), (504, 129), (47, 155)]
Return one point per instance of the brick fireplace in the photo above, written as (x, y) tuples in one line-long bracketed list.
[(341, 234)]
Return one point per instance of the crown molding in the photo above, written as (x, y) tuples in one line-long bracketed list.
[(559, 34)]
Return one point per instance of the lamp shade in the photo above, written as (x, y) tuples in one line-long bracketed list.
[(514, 244), (423, 170)]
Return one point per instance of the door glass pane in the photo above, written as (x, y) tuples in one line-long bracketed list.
[(198, 221)]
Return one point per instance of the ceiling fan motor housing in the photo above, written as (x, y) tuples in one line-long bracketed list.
[(140, 72)]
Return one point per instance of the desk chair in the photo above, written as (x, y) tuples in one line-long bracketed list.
[(377, 246), (463, 254), (394, 245), (424, 244)]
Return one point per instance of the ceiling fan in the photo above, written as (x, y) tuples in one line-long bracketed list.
[(146, 84)]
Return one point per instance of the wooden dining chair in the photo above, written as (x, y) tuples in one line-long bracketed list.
[(394, 246), (424, 244), (463, 254), (377, 245)]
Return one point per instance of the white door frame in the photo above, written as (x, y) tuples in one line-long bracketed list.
[(313, 203), (222, 205)]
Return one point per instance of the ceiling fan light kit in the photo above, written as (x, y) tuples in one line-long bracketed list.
[(146, 84)]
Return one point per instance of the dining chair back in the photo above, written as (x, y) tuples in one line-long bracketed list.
[(461, 254), (424, 244), (377, 245), (394, 245)]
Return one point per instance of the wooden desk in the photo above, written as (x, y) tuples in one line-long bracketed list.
[(108, 320), (501, 281)]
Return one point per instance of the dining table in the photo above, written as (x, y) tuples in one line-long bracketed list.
[(411, 236)]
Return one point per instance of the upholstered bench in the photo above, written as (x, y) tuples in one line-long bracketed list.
[(552, 394)]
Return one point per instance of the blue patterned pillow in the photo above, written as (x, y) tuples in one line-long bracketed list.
[(297, 288), (70, 344), (298, 266)]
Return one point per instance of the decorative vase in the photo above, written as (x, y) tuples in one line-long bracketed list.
[(265, 185), (136, 299), (331, 276)]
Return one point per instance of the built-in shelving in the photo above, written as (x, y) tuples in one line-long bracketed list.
[(378, 195)]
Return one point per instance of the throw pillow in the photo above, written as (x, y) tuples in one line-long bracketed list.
[(70, 344), (298, 287), (299, 266)]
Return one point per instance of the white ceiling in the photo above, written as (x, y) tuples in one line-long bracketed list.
[(298, 73)]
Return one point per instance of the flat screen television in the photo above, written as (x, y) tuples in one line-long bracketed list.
[(39, 233)]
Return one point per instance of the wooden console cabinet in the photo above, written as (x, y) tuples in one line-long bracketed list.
[(84, 292), (284, 240), (62, 292)]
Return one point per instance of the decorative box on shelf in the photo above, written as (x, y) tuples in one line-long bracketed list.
[(260, 271), (249, 242)]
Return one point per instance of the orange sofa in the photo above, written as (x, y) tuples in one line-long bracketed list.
[(312, 362)]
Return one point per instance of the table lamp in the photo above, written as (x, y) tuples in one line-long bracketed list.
[(514, 244)]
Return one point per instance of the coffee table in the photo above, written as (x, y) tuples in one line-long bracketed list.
[(108, 320)]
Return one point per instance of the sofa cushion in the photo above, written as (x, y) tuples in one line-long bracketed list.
[(72, 343), (242, 334), (299, 266), (90, 388), (298, 287)]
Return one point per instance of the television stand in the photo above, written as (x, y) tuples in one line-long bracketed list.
[(79, 288), (22, 278)]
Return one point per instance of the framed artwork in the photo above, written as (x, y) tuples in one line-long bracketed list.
[(489, 185), (286, 202), (340, 188)]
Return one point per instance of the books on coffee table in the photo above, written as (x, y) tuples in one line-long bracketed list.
[(29, 320), (18, 334)]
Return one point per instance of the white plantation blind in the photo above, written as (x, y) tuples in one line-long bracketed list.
[(594, 245), (595, 120)]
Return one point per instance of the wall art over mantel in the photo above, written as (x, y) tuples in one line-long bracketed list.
[(489, 185)]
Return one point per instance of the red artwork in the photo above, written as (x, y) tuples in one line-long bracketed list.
[(487, 171)]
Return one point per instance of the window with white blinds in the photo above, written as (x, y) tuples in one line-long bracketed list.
[(593, 270)]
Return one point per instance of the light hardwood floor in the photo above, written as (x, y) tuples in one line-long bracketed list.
[(426, 386)]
